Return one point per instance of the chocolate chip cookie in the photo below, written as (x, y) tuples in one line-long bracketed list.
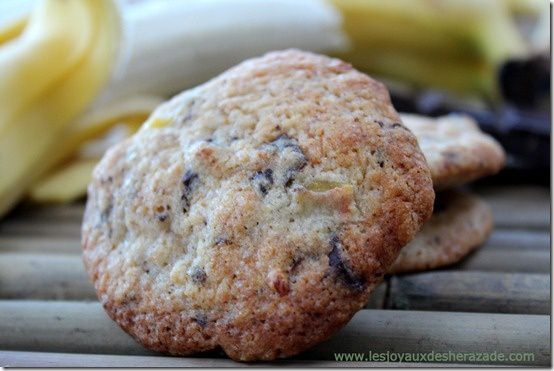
[(460, 223), (456, 150), (255, 212)]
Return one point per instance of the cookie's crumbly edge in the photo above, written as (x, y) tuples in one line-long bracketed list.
[(450, 234), (468, 154), (308, 321)]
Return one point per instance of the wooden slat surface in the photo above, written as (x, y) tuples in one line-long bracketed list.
[(42, 359), (29, 212), (43, 228), (62, 277), (416, 331), (44, 276), (59, 326), (500, 239), (40, 260), (522, 207), (518, 239), (471, 292), (529, 261), (39, 244), (378, 297), (62, 326)]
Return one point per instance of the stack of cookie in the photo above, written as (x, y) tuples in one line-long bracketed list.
[(258, 211), (457, 152)]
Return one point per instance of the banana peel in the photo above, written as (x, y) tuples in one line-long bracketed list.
[(54, 42), (60, 61), (12, 30), (131, 112), (527, 7), (57, 60), (463, 77), (85, 33), (67, 184), (450, 44)]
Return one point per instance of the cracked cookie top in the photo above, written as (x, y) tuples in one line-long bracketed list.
[(255, 212)]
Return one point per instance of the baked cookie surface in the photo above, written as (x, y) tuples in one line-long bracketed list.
[(456, 150), (255, 212), (460, 223)]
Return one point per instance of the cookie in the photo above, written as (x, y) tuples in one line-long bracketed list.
[(460, 223), (256, 212), (456, 150)]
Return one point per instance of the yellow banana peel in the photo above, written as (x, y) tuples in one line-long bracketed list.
[(527, 7), (68, 181), (12, 29), (131, 112), (55, 62), (44, 94), (452, 44), (53, 43), (67, 184)]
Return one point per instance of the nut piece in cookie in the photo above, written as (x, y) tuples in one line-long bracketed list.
[(456, 150), (287, 187), (460, 223)]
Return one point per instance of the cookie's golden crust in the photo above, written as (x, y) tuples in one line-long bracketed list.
[(457, 151), (259, 210), (460, 225)]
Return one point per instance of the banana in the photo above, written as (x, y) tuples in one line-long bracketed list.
[(82, 138), (48, 49), (12, 29), (65, 185), (13, 18), (94, 124), (168, 46), (450, 44), (64, 85), (462, 77), (59, 63), (527, 7), (42, 93)]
